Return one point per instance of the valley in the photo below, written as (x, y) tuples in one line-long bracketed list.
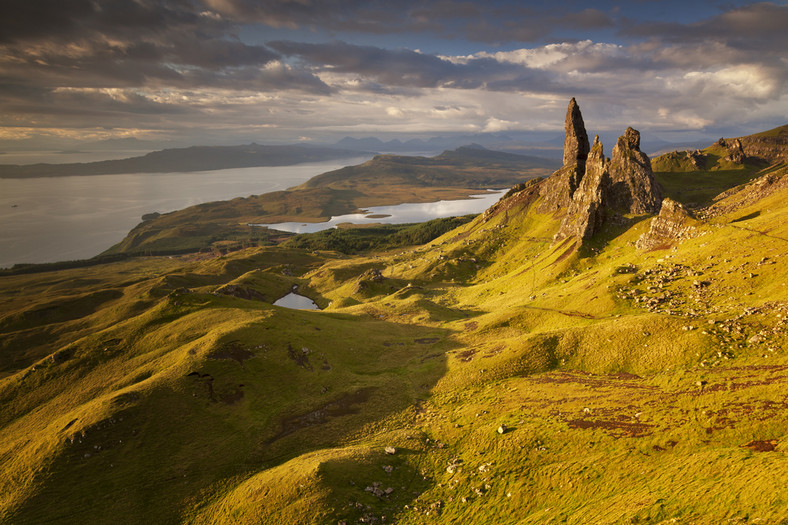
[(605, 344)]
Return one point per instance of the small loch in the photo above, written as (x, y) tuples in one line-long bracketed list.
[(398, 214), (296, 302)]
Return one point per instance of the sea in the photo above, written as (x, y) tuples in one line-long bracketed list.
[(77, 217), (51, 219)]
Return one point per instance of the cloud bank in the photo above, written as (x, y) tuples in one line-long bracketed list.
[(236, 70)]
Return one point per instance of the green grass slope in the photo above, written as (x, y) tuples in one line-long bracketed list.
[(489, 375)]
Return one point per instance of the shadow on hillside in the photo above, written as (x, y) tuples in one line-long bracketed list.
[(180, 439)]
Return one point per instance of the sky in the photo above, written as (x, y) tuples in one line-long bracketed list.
[(285, 71)]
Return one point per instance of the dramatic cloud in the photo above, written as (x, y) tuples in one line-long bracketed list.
[(406, 68), (235, 70)]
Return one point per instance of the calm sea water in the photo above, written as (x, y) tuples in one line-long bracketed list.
[(66, 218)]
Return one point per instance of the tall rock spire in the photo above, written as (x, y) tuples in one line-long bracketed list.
[(576, 141), (590, 188), (558, 190)]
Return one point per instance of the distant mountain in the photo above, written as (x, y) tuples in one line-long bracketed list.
[(195, 158), (511, 141), (478, 153), (127, 143), (470, 166)]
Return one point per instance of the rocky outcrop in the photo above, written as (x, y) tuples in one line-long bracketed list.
[(586, 213), (590, 187), (558, 190), (697, 159), (735, 152), (242, 292), (673, 224), (747, 194), (770, 146), (633, 188)]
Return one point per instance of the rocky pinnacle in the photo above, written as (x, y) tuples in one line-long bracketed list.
[(558, 190), (576, 146), (586, 213)]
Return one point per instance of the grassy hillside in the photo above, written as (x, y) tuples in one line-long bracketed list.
[(489, 375), (697, 177)]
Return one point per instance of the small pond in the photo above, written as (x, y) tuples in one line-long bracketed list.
[(296, 302)]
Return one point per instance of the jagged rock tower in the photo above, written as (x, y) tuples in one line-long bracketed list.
[(586, 212), (559, 188), (590, 187), (575, 143), (633, 187)]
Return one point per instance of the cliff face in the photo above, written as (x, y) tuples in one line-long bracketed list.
[(590, 187), (771, 146)]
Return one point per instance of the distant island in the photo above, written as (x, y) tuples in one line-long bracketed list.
[(195, 158)]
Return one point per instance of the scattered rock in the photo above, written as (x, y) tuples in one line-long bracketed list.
[(454, 464), (502, 429), (391, 450)]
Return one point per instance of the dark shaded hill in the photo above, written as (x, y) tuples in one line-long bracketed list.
[(469, 166), (195, 158)]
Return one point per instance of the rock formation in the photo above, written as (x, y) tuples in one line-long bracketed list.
[(557, 191), (576, 141), (697, 159), (586, 212), (770, 146), (735, 152), (747, 194), (672, 225), (633, 188), (589, 187)]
